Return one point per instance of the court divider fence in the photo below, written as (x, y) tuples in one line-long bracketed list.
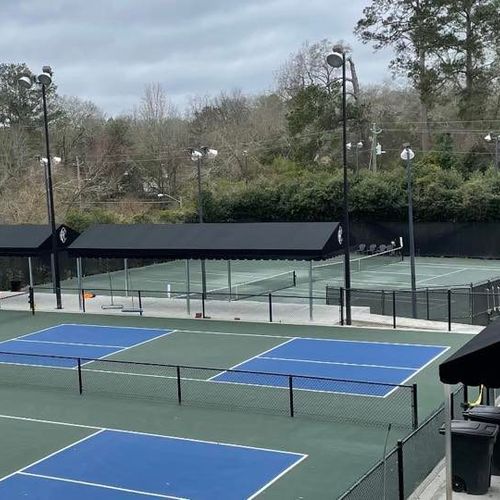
[(347, 401), (405, 467)]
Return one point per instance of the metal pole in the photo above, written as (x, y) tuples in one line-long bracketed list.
[(347, 237), (79, 281), (497, 152), (412, 236), (229, 280), (200, 219), (79, 182), (188, 289), (125, 267), (30, 270), (310, 290), (57, 279), (447, 423)]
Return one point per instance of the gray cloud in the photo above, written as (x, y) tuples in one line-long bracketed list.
[(108, 50)]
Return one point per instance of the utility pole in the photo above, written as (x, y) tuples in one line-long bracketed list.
[(375, 133)]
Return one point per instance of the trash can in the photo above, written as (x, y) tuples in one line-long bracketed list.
[(489, 415), (472, 447)]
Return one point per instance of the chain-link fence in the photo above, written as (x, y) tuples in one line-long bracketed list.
[(364, 403), (405, 467)]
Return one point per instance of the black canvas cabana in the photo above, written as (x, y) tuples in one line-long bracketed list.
[(29, 240), (474, 364), (275, 240)]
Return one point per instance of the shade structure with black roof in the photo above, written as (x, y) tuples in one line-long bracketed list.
[(275, 240), (25, 240)]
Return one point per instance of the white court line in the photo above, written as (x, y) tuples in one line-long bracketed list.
[(420, 369), (69, 343), (250, 359), (36, 462), (441, 275), (99, 485), (338, 363)]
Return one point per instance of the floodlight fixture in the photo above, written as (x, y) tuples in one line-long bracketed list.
[(335, 60)]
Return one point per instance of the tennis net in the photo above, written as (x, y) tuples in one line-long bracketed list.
[(332, 270), (261, 286)]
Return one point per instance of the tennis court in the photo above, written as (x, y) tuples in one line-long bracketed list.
[(125, 437), (135, 465)]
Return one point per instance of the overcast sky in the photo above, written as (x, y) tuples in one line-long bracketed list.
[(108, 50)]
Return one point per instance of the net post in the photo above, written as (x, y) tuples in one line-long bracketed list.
[(31, 300), (179, 389), (341, 302), (270, 297), (290, 392), (394, 309), (83, 300), (428, 314), (466, 395), (414, 406), (401, 471), (80, 380), (449, 310), (139, 297), (203, 314), (294, 277), (382, 296), (452, 405)]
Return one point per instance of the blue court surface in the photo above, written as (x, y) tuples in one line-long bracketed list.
[(74, 341), (375, 366), (122, 465)]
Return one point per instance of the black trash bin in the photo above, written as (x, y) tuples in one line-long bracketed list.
[(472, 447), (489, 415)]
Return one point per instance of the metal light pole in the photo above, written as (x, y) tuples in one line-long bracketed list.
[(44, 80), (495, 137), (198, 156), (337, 60), (408, 155)]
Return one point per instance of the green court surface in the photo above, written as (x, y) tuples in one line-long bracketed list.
[(36, 420), (377, 273)]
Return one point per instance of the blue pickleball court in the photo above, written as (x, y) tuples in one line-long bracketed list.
[(73, 341), (376, 366), (119, 465)]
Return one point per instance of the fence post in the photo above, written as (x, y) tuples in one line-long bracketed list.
[(83, 300), (428, 315), (341, 302), (414, 406), (203, 305), (31, 299), (290, 390), (401, 471), (394, 309), (449, 310), (270, 298), (471, 302), (80, 381), (179, 392), (139, 297)]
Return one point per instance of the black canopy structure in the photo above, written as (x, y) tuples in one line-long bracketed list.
[(476, 363), (276, 240), (29, 240)]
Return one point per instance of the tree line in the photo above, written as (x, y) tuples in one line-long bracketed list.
[(280, 151)]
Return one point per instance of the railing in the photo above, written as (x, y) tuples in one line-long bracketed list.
[(349, 401), (405, 467)]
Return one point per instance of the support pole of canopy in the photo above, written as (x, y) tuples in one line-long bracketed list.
[(311, 290), (229, 280), (188, 289), (30, 270), (447, 423), (125, 267), (79, 282)]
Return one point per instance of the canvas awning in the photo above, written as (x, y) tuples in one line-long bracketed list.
[(477, 362), (280, 240), (31, 240)]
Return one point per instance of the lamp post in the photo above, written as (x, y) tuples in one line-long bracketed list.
[(495, 137), (44, 79), (407, 155), (337, 60), (198, 155)]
